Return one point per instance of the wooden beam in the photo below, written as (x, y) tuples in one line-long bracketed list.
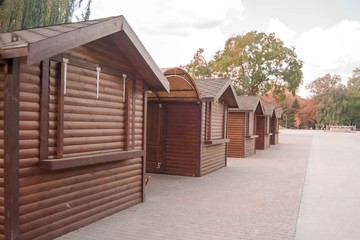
[(92, 66), (44, 109), (133, 105), (78, 161), (11, 150), (145, 105)]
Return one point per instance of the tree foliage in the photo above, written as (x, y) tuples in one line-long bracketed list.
[(331, 99), (353, 107), (24, 14), (198, 66), (257, 63)]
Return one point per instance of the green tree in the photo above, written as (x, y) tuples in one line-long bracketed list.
[(198, 66), (24, 14), (331, 99), (258, 63), (353, 107)]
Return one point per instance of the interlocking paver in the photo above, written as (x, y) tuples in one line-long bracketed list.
[(252, 198)]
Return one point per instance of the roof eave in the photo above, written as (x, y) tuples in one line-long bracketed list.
[(48, 47), (154, 69), (14, 52)]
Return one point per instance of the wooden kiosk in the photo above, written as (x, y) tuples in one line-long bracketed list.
[(188, 133), (242, 126), (263, 127), (73, 101)]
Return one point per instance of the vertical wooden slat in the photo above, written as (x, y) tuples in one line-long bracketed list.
[(11, 150), (145, 104), (127, 114), (245, 131), (199, 124), (60, 113), (208, 110), (133, 115), (44, 109)]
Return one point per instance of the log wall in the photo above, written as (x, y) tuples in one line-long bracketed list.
[(213, 156), (2, 219), (53, 203)]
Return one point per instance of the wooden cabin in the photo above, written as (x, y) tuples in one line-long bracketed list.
[(188, 133), (275, 118), (73, 105), (263, 127), (242, 126)]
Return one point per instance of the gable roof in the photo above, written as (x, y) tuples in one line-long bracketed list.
[(278, 112), (269, 109), (37, 44), (213, 88), (248, 103)]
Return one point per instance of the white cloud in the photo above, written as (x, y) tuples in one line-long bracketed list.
[(172, 31), (334, 50), (282, 32)]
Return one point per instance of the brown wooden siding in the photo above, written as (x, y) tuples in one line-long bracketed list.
[(260, 131), (249, 147), (274, 138), (250, 142), (2, 219), (182, 133), (55, 202), (217, 120), (251, 123), (236, 134), (213, 157)]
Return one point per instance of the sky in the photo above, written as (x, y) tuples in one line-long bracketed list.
[(325, 33)]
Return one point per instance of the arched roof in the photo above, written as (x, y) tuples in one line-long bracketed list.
[(182, 86)]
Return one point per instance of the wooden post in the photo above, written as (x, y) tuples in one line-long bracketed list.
[(145, 103), (199, 129), (44, 109), (127, 115), (133, 103), (11, 150)]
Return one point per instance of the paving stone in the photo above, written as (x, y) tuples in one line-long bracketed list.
[(252, 198)]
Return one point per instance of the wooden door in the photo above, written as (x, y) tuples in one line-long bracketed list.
[(155, 161)]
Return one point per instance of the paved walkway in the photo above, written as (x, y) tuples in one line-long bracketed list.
[(252, 198), (330, 207)]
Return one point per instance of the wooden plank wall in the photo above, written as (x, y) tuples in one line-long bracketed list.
[(260, 131), (213, 157), (274, 139), (236, 134), (2, 218), (250, 142), (267, 133), (55, 202), (182, 132)]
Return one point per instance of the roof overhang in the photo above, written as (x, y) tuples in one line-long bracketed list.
[(119, 29), (182, 87)]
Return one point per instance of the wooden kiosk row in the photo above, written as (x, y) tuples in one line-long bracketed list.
[(73, 102), (254, 125), (188, 133), (85, 111)]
